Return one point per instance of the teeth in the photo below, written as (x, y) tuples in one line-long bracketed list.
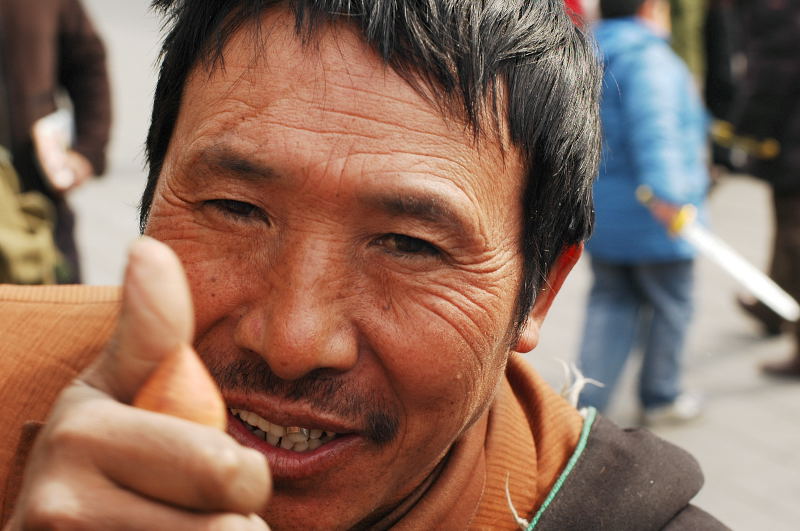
[(297, 434), (297, 437), (300, 446), (292, 438), (277, 431)]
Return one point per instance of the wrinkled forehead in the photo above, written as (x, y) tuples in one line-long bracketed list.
[(274, 42), (271, 86), (333, 57)]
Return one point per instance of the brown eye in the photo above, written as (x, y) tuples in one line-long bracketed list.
[(239, 210), (407, 245)]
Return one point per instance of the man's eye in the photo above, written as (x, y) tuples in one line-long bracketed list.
[(237, 209), (406, 245)]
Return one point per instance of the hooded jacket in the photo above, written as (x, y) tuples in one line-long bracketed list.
[(626, 480), (654, 134)]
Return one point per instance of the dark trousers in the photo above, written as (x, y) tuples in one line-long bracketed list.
[(64, 235), (785, 268)]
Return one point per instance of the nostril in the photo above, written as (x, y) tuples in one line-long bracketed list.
[(295, 343), (292, 354)]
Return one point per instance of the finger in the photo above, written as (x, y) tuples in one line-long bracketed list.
[(156, 320), (149, 361), (58, 505), (182, 387), (160, 457)]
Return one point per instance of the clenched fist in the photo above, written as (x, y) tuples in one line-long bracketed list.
[(103, 463)]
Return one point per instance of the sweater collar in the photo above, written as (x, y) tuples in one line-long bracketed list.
[(522, 443)]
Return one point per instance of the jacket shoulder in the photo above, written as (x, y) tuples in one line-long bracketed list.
[(692, 518), (628, 480)]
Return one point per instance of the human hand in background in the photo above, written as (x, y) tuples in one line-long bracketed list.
[(80, 167), (664, 212), (62, 167), (101, 463), (674, 217)]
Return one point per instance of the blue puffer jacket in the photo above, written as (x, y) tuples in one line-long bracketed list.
[(654, 133)]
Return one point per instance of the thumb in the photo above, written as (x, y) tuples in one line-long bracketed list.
[(149, 362)]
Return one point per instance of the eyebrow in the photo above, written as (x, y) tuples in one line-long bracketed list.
[(235, 164), (428, 208)]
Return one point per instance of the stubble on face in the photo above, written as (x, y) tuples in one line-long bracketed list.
[(309, 298), (324, 389)]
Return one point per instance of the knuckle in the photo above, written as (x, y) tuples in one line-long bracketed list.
[(234, 480), (53, 508), (65, 435), (69, 432), (226, 471), (79, 426)]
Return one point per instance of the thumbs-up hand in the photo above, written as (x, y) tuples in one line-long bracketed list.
[(137, 441)]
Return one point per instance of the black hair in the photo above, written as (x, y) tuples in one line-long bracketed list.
[(619, 8), (464, 51)]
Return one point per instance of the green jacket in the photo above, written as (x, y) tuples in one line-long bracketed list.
[(688, 40), (27, 252)]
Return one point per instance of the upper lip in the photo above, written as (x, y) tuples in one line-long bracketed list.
[(286, 413)]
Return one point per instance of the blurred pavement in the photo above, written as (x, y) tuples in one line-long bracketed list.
[(748, 442)]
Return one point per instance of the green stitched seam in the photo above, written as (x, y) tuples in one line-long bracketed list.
[(587, 426)]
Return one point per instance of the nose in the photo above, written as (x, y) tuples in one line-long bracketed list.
[(300, 322)]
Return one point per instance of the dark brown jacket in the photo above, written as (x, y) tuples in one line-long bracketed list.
[(47, 45), (768, 104)]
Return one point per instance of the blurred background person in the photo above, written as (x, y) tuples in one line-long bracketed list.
[(767, 113), (654, 134), (687, 20), (703, 36), (720, 47), (49, 48)]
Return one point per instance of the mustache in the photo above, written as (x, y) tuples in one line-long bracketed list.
[(325, 389)]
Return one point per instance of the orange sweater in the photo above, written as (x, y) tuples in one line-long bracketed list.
[(49, 334)]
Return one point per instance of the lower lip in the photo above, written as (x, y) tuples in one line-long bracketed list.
[(288, 465)]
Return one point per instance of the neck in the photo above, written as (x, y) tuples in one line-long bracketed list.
[(450, 494), (521, 444)]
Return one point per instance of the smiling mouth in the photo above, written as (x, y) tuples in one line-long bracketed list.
[(293, 438)]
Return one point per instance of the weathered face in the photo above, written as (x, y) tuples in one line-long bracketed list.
[(353, 256)]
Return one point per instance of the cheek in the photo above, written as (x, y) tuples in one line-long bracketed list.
[(440, 337), (215, 265), (444, 343)]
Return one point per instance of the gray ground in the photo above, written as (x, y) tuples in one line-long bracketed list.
[(747, 440)]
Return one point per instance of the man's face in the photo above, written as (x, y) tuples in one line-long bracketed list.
[(353, 257)]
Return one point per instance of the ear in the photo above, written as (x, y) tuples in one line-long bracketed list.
[(529, 337)]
